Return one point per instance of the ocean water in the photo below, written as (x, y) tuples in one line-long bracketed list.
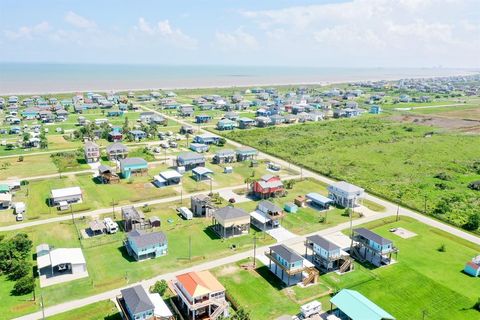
[(18, 78)]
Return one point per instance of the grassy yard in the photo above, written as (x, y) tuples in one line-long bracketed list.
[(307, 219), (389, 159), (99, 310), (30, 166), (405, 289), (105, 251)]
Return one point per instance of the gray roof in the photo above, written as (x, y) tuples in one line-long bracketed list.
[(267, 177), (131, 212), (228, 213), (247, 150), (323, 243), (146, 239), (115, 147), (270, 206), (225, 153), (132, 162), (187, 156), (103, 168), (370, 235), (286, 253), (137, 299)]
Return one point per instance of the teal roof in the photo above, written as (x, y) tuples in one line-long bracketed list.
[(4, 188), (358, 307)]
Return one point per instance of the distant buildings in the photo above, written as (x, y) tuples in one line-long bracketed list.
[(92, 151)]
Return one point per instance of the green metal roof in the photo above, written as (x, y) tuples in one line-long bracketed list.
[(4, 188), (358, 307)]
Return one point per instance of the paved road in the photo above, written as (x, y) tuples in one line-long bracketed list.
[(49, 311), (98, 212), (391, 209)]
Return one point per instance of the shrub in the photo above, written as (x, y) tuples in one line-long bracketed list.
[(443, 176), (473, 222), (24, 285), (442, 248), (19, 269), (159, 287)]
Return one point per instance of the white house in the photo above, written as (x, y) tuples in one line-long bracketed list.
[(64, 197), (345, 194)]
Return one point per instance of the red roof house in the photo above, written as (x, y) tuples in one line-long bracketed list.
[(268, 186)]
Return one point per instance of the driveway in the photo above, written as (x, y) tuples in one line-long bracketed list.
[(281, 234)]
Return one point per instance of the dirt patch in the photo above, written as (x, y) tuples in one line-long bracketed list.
[(404, 233), (451, 124), (228, 270)]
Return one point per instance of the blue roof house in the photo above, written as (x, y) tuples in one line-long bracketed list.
[(137, 135), (285, 263), (190, 160), (355, 306), (203, 118), (226, 124), (206, 138), (245, 123), (30, 113), (327, 255), (143, 245), (133, 166), (115, 113), (199, 147), (372, 247), (375, 109)]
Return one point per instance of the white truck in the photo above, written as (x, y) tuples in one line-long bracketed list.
[(110, 225)]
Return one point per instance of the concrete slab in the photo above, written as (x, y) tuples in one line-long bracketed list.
[(45, 282), (404, 233)]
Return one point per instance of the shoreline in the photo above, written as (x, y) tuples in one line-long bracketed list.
[(239, 86)]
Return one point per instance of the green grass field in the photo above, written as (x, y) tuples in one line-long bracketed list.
[(110, 267), (386, 158), (99, 310), (422, 279)]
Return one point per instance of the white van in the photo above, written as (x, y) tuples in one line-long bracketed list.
[(110, 225), (186, 213)]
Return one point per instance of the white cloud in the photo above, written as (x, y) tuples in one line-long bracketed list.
[(28, 32), (78, 21), (164, 30), (415, 32), (237, 40)]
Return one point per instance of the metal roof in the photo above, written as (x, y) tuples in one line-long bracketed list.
[(116, 147), (323, 243), (133, 162), (137, 300), (286, 253), (145, 239), (358, 307), (370, 235), (66, 192), (59, 256), (316, 197), (229, 213)]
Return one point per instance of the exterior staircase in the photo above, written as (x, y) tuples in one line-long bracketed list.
[(347, 265), (221, 306), (312, 276)]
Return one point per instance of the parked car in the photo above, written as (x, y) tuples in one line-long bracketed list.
[(172, 144), (164, 145), (19, 217)]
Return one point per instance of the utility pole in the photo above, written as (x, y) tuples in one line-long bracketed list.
[(254, 250), (71, 211), (398, 207)]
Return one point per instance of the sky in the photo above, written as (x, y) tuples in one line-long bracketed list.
[(322, 33)]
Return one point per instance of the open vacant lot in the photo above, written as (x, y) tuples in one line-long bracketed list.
[(414, 163)]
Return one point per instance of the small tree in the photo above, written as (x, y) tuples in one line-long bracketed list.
[(473, 222), (159, 287), (19, 269), (24, 285)]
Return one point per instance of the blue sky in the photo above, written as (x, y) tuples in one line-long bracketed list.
[(355, 33)]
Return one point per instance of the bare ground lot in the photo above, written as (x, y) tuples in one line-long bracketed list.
[(453, 122)]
